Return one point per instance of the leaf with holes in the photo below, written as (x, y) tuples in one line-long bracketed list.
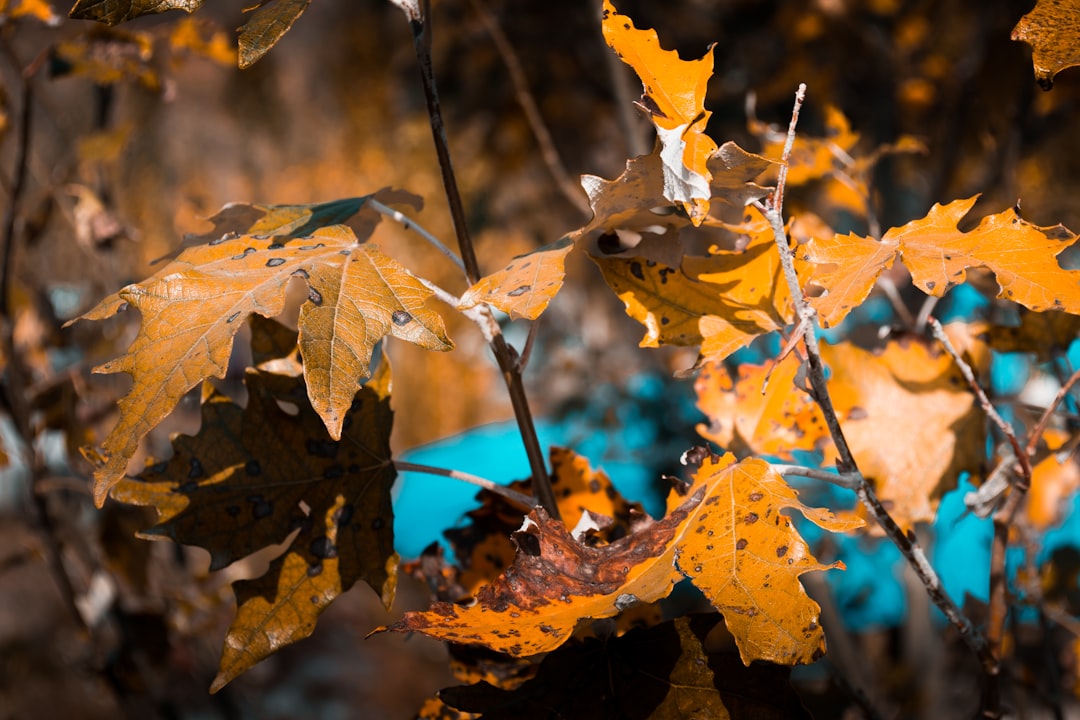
[(254, 475), (192, 308), (1051, 29), (675, 100), (747, 569), (523, 288), (1021, 256)]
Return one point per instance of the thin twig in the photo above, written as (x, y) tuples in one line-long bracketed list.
[(889, 288), (530, 341), (845, 480), (928, 306), (410, 224), (906, 542), (570, 189), (1040, 427), (521, 500), (420, 24)]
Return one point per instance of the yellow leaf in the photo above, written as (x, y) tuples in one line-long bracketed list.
[(675, 100), (1051, 29), (523, 288)]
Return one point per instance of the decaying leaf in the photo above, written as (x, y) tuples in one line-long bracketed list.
[(1051, 29), (523, 288), (1021, 256), (721, 301), (254, 475), (666, 671), (113, 12), (270, 21), (726, 536), (192, 308), (906, 391), (675, 101)]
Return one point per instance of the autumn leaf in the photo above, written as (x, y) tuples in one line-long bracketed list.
[(108, 57), (1043, 333), (721, 301), (675, 101), (204, 39), (748, 570), (37, 9), (1051, 29), (114, 12), (1021, 256), (270, 21), (252, 476), (192, 308), (524, 287), (906, 390), (666, 671), (812, 158)]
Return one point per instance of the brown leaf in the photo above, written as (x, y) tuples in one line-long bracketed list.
[(1042, 333), (192, 308), (1021, 256), (523, 288), (270, 21), (1051, 29), (675, 100), (113, 12), (254, 475), (748, 570), (662, 672)]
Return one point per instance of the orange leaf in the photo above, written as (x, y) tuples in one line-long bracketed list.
[(813, 158), (523, 288), (675, 100), (252, 476), (1051, 29), (748, 570), (938, 254), (192, 308), (204, 39), (39, 9)]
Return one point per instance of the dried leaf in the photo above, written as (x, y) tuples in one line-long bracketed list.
[(1021, 256), (114, 12), (267, 25), (721, 301), (523, 288), (748, 570), (660, 672), (202, 38), (812, 158), (254, 475), (1054, 479), (1051, 29), (675, 100), (107, 57), (1042, 333), (38, 9), (192, 308)]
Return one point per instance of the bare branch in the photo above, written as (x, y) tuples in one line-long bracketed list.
[(410, 224), (521, 500), (844, 480)]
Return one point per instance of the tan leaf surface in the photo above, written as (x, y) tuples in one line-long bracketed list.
[(1051, 29), (113, 12), (1021, 256), (721, 301), (251, 477), (523, 288), (192, 308), (270, 21), (748, 569), (675, 99)]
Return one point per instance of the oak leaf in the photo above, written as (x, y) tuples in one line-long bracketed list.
[(675, 101), (1021, 256), (666, 671), (192, 308), (721, 301), (1051, 29), (252, 476), (526, 285), (113, 12), (727, 536)]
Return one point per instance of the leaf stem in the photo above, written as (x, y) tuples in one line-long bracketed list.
[(525, 502), (844, 480), (419, 23), (409, 224), (906, 542)]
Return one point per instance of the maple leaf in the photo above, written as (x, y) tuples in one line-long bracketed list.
[(666, 671), (675, 100), (113, 12), (252, 476), (1021, 256), (906, 391), (192, 308), (1051, 29), (721, 301), (524, 287), (747, 569)]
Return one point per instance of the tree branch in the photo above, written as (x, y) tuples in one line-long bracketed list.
[(526, 502), (410, 224)]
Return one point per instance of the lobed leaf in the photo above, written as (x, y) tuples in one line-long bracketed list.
[(523, 288)]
